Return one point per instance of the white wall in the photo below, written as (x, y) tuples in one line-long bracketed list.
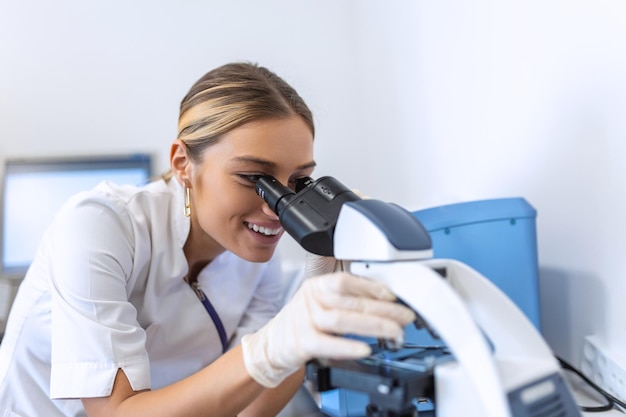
[(417, 102)]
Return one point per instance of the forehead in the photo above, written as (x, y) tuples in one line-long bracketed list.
[(280, 142)]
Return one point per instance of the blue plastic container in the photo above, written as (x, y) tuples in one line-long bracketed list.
[(496, 237)]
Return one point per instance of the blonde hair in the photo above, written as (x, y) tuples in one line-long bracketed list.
[(231, 96)]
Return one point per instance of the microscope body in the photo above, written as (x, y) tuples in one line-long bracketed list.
[(501, 365)]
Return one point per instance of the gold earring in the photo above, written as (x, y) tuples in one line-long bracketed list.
[(187, 209)]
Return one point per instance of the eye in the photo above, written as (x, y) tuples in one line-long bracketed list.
[(299, 183), (250, 179)]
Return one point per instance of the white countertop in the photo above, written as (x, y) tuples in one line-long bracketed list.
[(584, 396)]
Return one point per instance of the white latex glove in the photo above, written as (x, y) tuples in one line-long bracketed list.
[(307, 326)]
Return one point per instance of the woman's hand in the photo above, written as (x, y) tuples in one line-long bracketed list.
[(309, 325)]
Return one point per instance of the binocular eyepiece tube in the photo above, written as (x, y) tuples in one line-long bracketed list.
[(309, 213)]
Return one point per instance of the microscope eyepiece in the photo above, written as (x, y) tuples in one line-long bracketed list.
[(302, 183), (310, 213), (273, 192)]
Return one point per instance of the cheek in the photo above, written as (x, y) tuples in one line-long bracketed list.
[(250, 200), (216, 190), (235, 201), (221, 198)]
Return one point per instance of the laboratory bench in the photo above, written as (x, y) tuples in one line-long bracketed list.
[(304, 405)]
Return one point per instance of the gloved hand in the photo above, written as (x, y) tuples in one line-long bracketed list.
[(308, 325)]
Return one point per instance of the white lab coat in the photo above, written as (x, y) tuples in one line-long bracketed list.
[(106, 291)]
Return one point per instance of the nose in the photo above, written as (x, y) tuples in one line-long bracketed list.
[(268, 211)]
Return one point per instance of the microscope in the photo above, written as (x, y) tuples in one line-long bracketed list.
[(494, 362)]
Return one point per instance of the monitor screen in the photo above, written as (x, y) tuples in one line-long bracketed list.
[(35, 189)]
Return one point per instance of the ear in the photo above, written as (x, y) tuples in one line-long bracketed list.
[(180, 163)]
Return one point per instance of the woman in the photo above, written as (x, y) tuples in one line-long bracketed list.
[(156, 301)]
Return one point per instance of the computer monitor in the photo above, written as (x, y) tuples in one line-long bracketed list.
[(35, 189)]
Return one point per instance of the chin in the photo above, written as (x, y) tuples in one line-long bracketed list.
[(259, 256)]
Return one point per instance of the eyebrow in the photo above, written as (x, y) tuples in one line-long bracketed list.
[(266, 163)]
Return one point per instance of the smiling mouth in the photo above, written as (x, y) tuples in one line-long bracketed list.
[(266, 231)]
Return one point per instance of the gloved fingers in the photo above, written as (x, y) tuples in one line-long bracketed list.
[(341, 321), (342, 283), (399, 313), (336, 347)]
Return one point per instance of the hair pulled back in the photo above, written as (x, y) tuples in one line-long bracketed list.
[(230, 96)]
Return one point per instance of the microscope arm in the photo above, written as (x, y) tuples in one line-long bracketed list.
[(442, 308), (497, 349), (360, 236)]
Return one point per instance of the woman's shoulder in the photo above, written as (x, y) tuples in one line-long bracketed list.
[(117, 213), (126, 196), (150, 205), (126, 193)]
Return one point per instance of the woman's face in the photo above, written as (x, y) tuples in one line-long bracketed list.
[(226, 209)]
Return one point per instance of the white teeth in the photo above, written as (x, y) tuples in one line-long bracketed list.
[(263, 230)]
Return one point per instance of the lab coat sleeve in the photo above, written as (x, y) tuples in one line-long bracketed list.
[(94, 326), (266, 301)]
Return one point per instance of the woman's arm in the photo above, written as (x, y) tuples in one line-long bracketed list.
[(305, 328), (222, 389), (273, 400)]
